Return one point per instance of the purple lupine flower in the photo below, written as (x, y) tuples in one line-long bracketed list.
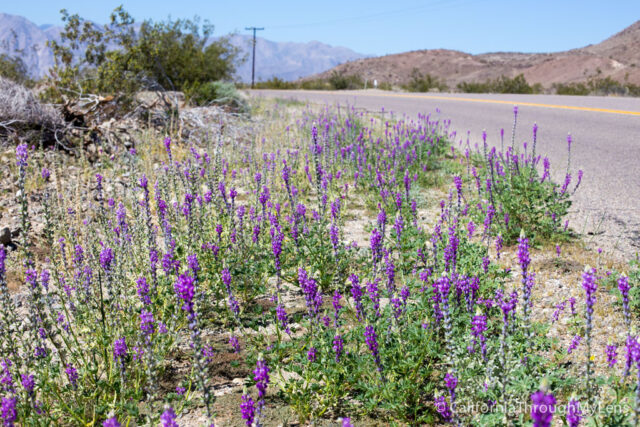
[(567, 181), (458, 184), (346, 422), (546, 173), (106, 258), (623, 286), (45, 174), (234, 343), (580, 174), (111, 422), (382, 219), (390, 271), (313, 297), (147, 322), (376, 245), (499, 243), (143, 291), (28, 383), (442, 406), (371, 338), (356, 293), (398, 226), (336, 306), (261, 377), (542, 408), (572, 304), (3, 257), (524, 258), (8, 408), (612, 354), (276, 246), (334, 237), (72, 375), (590, 287), (281, 314), (192, 262), (574, 414), (471, 227), (575, 342), (247, 409), (451, 382), (31, 277), (478, 328), (559, 308), (22, 154), (633, 352), (120, 350), (7, 378), (338, 345), (488, 219), (185, 289), (311, 354), (374, 296), (168, 418)]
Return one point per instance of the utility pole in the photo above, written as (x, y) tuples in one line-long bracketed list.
[(253, 59)]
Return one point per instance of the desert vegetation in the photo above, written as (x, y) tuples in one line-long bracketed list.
[(309, 264), (271, 263)]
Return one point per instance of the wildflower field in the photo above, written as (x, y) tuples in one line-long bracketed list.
[(329, 267)]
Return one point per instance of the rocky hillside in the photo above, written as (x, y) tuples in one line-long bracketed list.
[(287, 61), (617, 57)]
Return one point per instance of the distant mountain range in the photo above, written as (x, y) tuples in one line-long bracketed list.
[(617, 57), (286, 60)]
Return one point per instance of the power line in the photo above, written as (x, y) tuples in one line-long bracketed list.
[(253, 59)]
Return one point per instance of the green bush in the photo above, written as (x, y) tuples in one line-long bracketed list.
[(598, 86), (169, 55), (275, 83), (502, 84), (13, 68), (316, 84), (571, 89), (218, 92), (342, 81), (607, 86), (517, 197), (424, 82)]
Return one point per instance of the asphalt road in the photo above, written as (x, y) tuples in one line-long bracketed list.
[(606, 145)]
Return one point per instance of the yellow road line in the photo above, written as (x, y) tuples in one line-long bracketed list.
[(488, 101)]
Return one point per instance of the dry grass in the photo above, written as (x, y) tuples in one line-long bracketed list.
[(21, 110)]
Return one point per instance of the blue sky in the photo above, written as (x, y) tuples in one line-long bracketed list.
[(381, 27)]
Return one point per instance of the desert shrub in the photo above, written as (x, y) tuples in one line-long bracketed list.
[(502, 84), (571, 89), (275, 83), (13, 68), (118, 58), (607, 86), (424, 82), (315, 84), (218, 92), (343, 81), (597, 86), (21, 110)]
